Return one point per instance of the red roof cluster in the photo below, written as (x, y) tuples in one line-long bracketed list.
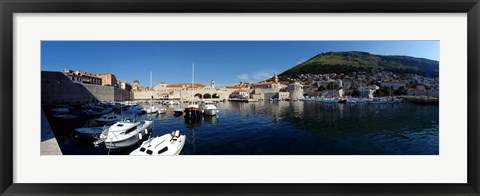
[(420, 90), (263, 83), (395, 81)]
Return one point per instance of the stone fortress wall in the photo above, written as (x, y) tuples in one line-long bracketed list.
[(56, 88)]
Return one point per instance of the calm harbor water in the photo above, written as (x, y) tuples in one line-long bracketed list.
[(286, 128)]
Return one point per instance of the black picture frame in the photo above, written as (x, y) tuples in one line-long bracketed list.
[(9, 7)]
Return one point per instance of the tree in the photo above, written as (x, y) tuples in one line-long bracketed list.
[(411, 85), (383, 91), (355, 93), (332, 86), (400, 91)]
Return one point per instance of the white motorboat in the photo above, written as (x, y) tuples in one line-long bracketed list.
[(65, 116), (108, 118), (152, 109), (178, 112), (361, 100), (210, 109), (90, 131), (394, 100), (60, 110), (98, 112), (329, 101), (162, 111), (168, 144), (377, 101), (126, 132), (351, 100), (172, 103), (135, 107)]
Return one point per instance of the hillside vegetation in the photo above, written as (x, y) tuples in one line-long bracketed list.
[(348, 62)]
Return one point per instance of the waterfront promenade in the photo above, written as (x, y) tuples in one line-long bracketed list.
[(48, 144)]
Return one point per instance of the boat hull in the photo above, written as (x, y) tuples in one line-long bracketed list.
[(129, 140), (178, 113), (155, 146), (193, 112), (89, 132), (211, 112), (123, 143)]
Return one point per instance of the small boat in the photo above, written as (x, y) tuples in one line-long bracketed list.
[(65, 116), (329, 101), (172, 103), (108, 118), (377, 101), (210, 109), (394, 100), (135, 107), (90, 131), (351, 100), (152, 109), (361, 100), (342, 100), (126, 132), (60, 110), (98, 112), (193, 111), (177, 112), (162, 111), (168, 144)]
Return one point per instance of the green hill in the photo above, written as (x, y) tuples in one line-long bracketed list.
[(348, 62)]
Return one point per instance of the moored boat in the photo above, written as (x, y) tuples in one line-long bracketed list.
[(152, 109), (193, 111), (377, 101), (210, 109), (162, 111), (177, 112), (108, 118), (90, 131), (126, 132), (98, 112), (329, 101), (64, 116), (60, 110), (168, 144)]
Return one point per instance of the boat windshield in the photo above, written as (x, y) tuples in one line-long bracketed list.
[(130, 116)]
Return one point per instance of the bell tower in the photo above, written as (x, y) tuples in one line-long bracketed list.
[(213, 84)]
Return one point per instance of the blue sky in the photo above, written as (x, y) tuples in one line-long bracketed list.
[(227, 62)]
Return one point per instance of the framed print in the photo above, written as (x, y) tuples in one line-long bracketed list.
[(259, 97)]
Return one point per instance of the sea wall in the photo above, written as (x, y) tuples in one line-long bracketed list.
[(56, 88), (136, 95), (108, 93)]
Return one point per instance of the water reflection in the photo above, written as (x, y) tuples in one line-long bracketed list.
[(211, 120), (278, 128)]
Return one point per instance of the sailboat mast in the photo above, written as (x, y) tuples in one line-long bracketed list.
[(193, 78)]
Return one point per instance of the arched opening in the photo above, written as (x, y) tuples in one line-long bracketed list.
[(215, 96), (207, 96), (198, 96)]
